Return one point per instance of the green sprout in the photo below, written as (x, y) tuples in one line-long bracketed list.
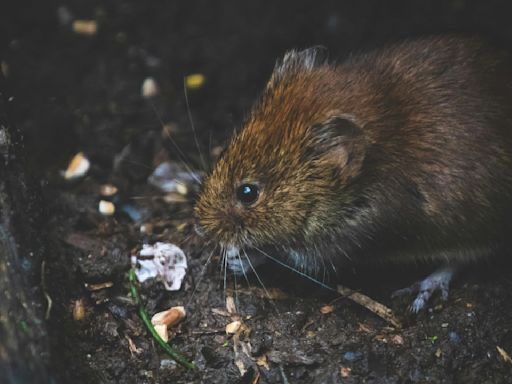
[(433, 339), (171, 351)]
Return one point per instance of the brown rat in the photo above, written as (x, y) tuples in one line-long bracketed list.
[(399, 155)]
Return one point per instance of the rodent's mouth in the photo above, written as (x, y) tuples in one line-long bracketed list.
[(242, 261), (245, 260)]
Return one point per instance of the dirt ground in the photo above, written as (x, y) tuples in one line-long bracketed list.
[(82, 92)]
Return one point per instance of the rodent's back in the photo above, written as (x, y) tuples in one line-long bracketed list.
[(422, 135), (443, 128)]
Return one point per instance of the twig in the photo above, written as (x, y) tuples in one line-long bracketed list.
[(45, 292), (379, 309), (171, 351)]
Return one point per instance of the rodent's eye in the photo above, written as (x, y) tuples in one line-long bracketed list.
[(247, 194)]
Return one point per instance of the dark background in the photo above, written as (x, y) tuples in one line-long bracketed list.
[(70, 90)]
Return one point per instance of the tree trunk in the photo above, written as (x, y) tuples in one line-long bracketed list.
[(23, 338)]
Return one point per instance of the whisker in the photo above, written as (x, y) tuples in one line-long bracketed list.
[(189, 113), (201, 276), (210, 150), (237, 303), (295, 270), (243, 270), (257, 275), (146, 166), (180, 153), (225, 262)]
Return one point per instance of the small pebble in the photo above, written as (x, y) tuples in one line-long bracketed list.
[(64, 15), (454, 338), (352, 356), (167, 363)]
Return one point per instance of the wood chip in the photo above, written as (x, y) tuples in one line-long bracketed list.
[(361, 327), (379, 309), (326, 309), (504, 355), (230, 305), (99, 286), (132, 347), (220, 312), (79, 310)]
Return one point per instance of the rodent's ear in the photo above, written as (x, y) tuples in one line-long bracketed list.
[(339, 141), (298, 61)]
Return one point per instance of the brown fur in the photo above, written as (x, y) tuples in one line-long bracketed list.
[(401, 154)]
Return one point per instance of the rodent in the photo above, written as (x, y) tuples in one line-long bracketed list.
[(402, 154)]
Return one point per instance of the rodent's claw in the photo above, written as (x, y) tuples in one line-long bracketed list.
[(437, 281), (406, 291)]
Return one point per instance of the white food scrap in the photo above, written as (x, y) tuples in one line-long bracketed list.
[(85, 27), (169, 317), (194, 81), (106, 208), (164, 261), (171, 177), (78, 167), (149, 88), (233, 327)]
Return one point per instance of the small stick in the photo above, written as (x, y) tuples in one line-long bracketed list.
[(379, 309)]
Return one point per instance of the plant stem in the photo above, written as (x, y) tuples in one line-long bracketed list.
[(171, 351)]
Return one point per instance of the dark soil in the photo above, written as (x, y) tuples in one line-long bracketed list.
[(82, 93)]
